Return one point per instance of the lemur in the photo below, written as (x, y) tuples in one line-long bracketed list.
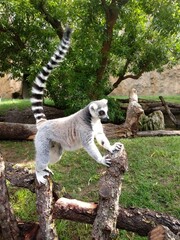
[(68, 133)]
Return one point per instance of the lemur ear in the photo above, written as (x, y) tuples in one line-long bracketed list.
[(93, 106), (105, 101)]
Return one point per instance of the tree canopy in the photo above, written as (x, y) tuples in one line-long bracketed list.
[(122, 38)]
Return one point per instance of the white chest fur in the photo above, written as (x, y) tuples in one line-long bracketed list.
[(97, 126)]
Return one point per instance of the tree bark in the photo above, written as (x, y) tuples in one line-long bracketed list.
[(140, 221), (104, 226), (55, 23), (45, 203), (21, 177), (8, 223), (17, 131)]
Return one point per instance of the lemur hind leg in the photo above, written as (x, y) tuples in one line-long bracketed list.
[(42, 159), (55, 152)]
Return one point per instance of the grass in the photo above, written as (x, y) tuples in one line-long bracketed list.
[(19, 104), (151, 182), (7, 104)]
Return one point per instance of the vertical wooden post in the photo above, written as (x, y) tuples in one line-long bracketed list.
[(8, 223), (104, 227), (45, 207)]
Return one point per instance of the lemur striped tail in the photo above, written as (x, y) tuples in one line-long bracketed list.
[(41, 78)]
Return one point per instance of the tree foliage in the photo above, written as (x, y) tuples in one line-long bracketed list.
[(123, 38)]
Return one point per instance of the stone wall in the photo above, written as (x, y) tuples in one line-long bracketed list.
[(8, 86), (152, 83)]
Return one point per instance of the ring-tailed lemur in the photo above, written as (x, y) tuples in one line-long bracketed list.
[(68, 133)]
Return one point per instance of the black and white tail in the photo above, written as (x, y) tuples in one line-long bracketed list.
[(40, 80)]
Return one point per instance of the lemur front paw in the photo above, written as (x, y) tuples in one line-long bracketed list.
[(106, 160), (40, 175), (117, 147)]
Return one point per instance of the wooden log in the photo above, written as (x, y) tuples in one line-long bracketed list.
[(8, 224), (140, 221), (28, 131), (158, 133), (137, 220), (151, 106), (17, 131), (24, 178), (104, 226), (44, 204)]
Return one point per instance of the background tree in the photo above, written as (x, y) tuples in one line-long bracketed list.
[(123, 38)]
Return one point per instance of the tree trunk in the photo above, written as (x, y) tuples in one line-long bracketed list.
[(8, 223), (104, 226), (111, 11)]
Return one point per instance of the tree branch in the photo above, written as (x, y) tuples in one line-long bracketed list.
[(140, 221), (55, 23), (122, 78), (14, 35)]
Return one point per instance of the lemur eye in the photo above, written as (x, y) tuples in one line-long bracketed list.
[(101, 113)]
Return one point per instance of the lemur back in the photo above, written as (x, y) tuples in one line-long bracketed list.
[(40, 80), (69, 133)]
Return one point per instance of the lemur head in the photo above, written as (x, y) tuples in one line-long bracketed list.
[(99, 109)]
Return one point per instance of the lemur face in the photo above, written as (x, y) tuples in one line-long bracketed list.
[(99, 109)]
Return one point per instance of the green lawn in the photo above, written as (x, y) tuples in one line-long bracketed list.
[(152, 180), (20, 104)]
